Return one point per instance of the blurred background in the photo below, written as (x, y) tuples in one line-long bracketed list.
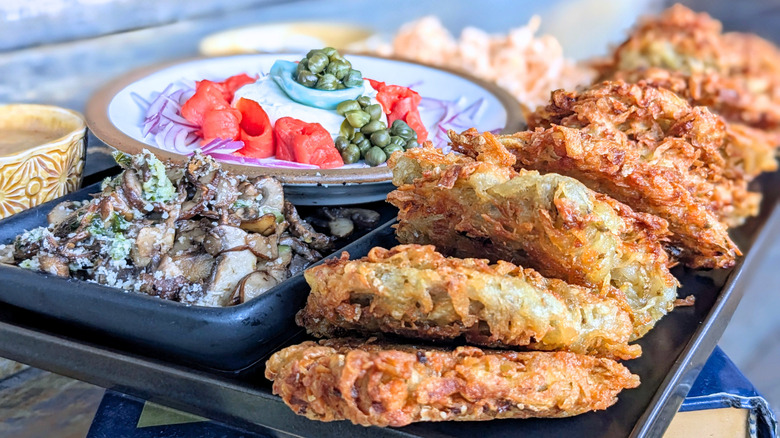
[(60, 51)]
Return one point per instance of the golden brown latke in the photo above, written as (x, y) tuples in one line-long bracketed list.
[(649, 134), (395, 385), (413, 291), (737, 75), (551, 223), (748, 150)]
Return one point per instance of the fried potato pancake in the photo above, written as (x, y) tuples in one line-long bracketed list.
[(411, 290), (632, 141), (554, 224), (395, 385), (736, 75)]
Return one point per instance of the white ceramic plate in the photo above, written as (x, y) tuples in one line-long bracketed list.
[(116, 118)]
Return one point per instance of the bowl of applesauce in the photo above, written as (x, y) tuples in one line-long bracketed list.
[(42, 152)]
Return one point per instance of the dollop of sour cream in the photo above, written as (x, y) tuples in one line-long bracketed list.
[(277, 104)]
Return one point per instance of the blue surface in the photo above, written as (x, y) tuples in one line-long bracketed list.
[(719, 385)]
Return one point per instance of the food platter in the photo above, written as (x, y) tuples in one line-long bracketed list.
[(114, 116), (674, 353)]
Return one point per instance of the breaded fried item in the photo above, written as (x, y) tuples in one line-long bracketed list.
[(551, 223), (374, 384), (412, 290), (736, 75), (748, 150), (631, 141)]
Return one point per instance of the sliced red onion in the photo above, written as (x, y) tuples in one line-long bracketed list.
[(263, 162), (222, 146)]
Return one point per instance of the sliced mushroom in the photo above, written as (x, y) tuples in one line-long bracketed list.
[(190, 236), (195, 267), (264, 247), (61, 212), (362, 217), (133, 191), (265, 224), (167, 288), (53, 264), (270, 191), (7, 254), (300, 248), (228, 270), (299, 228), (341, 227), (252, 286), (224, 238), (151, 241)]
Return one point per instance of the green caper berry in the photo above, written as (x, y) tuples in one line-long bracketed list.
[(312, 52), (318, 63), (364, 101), (375, 111), (392, 147), (405, 132), (306, 78), (346, 130), (364, 145), (338, 69), (400, 141), (353, 79), (350, 154), (398, 123), (303, 65), (327, 82), (411, 144), (375, 156), (341, 143), (347, 106), (380, 138), (358, 118), (329, 51), (357, 137), (372, 126)]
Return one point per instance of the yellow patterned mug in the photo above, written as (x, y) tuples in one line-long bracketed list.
[(42, 151)]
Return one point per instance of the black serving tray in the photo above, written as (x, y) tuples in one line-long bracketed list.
[(228, 338), (673, 354)]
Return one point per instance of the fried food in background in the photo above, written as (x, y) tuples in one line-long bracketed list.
[(737, 75), (749, 149), (413, 291), (631, 141), (485, 209), (527, 66), (395, 385)]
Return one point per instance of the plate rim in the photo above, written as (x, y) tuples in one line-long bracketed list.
[(99, 123)]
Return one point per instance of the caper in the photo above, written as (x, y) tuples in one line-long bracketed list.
[(357, 137), (327, 82), (350, 154), (380, 138), (346, 130), (337, 57), (338, 69), (375, 156), (364, 101), (358, 118), (372, 126), (397, 123), (400, 141), (364, 145), (375, 111), (303, 65), (353, 78), (306, 78), (340, 86), (312, 52), (412, 144), (318, 62), (329, 51), (341, 143), (404, 132), (392, 147), (347, 106)]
